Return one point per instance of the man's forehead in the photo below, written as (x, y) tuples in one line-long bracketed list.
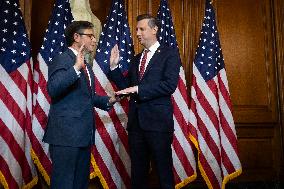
[(90, 31), (143, 22)]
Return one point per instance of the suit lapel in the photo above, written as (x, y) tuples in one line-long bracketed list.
[(137, 62), (85, 76), (92, 76), (91, 87)]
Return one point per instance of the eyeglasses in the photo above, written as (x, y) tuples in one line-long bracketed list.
[(91, 36)]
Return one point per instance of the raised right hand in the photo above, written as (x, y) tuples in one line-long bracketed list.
[(114, 57), (80, 59)]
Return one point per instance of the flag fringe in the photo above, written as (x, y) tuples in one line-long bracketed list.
[(231, 176), (194, 141), (186, 181), (97, 173), (205, 177), (40, 167), (3, 181), (31, 184), (27, 186)]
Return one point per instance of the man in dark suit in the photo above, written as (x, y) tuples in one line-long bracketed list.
[(70, 129), (152, 78)]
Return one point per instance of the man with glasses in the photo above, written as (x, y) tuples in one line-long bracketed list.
[(70, 129)]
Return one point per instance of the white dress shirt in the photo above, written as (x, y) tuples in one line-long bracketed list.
[(150, 54)]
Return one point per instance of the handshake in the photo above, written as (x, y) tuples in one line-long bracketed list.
[(119, 95)]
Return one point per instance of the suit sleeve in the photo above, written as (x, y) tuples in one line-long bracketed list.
[(60, 78), (166, 86), (101, 102), (120, 81)]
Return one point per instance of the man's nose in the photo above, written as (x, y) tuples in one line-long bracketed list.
[(138, 32), (94, 39)]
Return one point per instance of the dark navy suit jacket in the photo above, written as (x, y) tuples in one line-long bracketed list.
[(152, 107), (70, 119)]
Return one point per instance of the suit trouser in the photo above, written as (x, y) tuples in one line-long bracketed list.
[(70, 167), (144, 145)]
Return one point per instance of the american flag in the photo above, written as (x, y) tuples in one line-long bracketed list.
[(53, 44), (111, 154), (183, 157), (16, 167), (212, 126)]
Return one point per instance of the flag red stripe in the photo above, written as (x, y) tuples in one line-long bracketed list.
[(182, 156), (182, 88), (224, 92), (17, 151), (204, 129), (228, 132), (103, 168), (43, 86), (226, 161), (42, 156), (176, 177), (192, 129), (40, 115), (225, 125), (206, 105), (177, 146), (116, 122), (4, 168), (110, 146), (10, 103), (209, 140), (208, 171), (20, 81), (180, 119)]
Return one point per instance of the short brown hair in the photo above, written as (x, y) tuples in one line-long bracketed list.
[(76, 27), (153, 21)]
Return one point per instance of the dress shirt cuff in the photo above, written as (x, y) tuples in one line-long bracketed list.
[(111, 69), (77, 72)]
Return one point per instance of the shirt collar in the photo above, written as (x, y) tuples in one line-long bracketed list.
[(154, 47), (74, 51)]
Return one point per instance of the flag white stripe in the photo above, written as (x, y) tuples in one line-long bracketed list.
[(107, 158), (205, 89), (13, 89), (39, 132), (43, 67), (231, 153), (223, 76), (43, 102), (12, 124), (183, 141), (210, 158), (178, 166), (183, 107), (206, 119), (27, 151), (119, 147), (14, 167)]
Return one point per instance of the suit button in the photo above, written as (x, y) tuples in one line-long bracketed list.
[(135, 101)]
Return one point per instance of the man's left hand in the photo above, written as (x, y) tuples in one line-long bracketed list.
[(128, 90)]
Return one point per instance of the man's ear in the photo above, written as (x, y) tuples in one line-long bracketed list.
[(155, 29), (76, 37)]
